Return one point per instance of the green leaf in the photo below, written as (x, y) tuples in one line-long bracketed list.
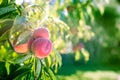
[(85, 54), (56, 68), (48, 62), (45, 74), (59, 59), (1, 1), (19, 24), (13, 68), (77, 56), (22, 58), (30, 76), (7, 65), (24, 37), (37, 67), (58, 62), (57, 26), (52, 76), (35, 13), (101, 8), (20, 28), (19, 20), (3, 71), (4, 36), (19, 73), (7, 9), (5, 25)]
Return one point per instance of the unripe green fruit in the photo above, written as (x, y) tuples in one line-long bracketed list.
[(41, 47), (41, 32)]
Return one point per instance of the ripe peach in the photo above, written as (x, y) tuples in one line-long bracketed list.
[(75, 48), (41, 32), (41, 47), (78, 47), (74, 31), (22, 48)]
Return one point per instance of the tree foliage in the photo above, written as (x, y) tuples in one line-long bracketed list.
[(69, 22)]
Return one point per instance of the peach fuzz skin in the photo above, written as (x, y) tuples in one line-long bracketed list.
[(41, 32), (23, 48), (41, 47)]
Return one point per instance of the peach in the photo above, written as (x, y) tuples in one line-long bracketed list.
[(41, 47), (23, 48), (41, 32), (75, 48), (74, 31), (78, 47)]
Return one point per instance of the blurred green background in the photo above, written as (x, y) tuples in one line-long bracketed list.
[(103, 19)]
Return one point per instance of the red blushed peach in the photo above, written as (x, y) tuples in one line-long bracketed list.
[(74, 31), (75, 48), (80, 46), (23, 48), (41, 47), (41, 32)]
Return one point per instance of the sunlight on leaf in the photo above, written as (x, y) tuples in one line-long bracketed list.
[(86, 54), (77, 55), (24, 37), (20, 30), (7, 9), (37, 67), (21, 59), (101, 8)]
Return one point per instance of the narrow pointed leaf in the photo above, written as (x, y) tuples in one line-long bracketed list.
[(7, 9), (37, 67), (21, 59), (52, 76)]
